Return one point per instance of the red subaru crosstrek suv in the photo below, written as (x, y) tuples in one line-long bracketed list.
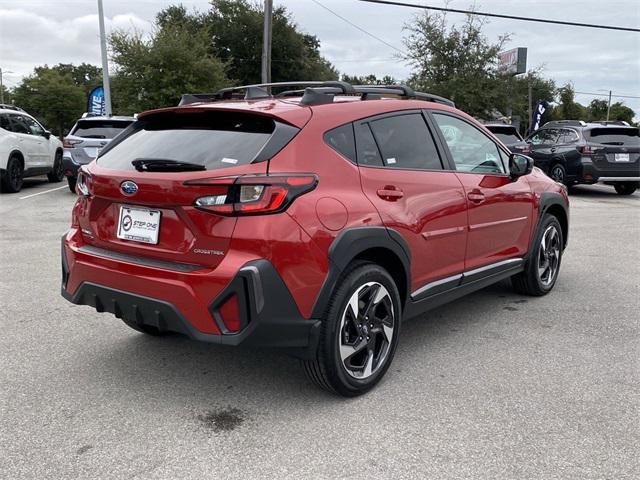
[(313, 220)]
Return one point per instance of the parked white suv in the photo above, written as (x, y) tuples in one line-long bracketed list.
[(26, 150)]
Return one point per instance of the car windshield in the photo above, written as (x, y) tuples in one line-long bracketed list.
[(212, 139), (99, 128), (617, 136)]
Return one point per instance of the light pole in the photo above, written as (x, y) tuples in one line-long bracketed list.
[(2, 85), (266, 42), (105, 62)]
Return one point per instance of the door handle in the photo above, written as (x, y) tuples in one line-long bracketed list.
[(553, 149), (390, 193), (475, 196)]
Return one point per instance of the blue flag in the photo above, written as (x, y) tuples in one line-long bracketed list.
[(95, 102), (536, 118)]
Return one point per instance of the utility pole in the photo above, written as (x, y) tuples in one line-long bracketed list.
[(1, 88), (530, 107), (609, 106), (105, 62), (266, 42)]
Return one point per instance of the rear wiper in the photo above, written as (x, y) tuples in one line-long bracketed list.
[(165, 165), (612, 143)]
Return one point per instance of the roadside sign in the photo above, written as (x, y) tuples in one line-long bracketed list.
[(513, 62)]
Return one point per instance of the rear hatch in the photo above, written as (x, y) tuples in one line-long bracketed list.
[(142, 189), (88, 137), (616, 150)]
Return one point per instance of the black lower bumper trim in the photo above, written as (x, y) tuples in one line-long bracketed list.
[(275, 324)]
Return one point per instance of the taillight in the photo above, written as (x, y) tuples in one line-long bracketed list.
[(588, 149), (70, 143), (526, 149), (253, 194), (83, 183)]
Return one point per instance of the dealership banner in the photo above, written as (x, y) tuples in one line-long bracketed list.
[(95, 102), (536, 118)]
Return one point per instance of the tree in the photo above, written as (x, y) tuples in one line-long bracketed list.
[(369, 80), (84, 75), (52, 97), (455, 62), (155, 73), (234, 34), (619, 111)]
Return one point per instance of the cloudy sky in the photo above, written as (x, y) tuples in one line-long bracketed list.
[(35, 32)]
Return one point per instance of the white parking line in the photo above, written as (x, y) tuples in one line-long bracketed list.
[(40, 193)]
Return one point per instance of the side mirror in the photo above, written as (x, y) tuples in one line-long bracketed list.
[(520, 165), (46, 134)]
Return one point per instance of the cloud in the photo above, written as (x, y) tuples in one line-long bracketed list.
[(30, 39)]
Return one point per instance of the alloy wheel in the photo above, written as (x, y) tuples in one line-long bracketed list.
[(15, 175), (557, 174), (549, 256), (366, 330)]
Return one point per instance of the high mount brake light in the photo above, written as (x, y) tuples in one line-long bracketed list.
[(253, 194)]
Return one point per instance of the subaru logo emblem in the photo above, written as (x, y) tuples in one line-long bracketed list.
[(128, 188)]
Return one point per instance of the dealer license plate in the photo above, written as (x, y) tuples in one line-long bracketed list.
[(621, 157), (139, 224)]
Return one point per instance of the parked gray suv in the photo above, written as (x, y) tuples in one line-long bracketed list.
[(85, 140)]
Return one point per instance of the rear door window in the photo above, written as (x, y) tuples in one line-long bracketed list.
[(567, 135), (615, 136), (99, 128), (4, 122), (213, 139), (406, 142), (368, 153), (547, 136)]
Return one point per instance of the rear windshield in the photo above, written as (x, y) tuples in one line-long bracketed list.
[(615, 136), (213, 139), (99, 128), (506, 134)]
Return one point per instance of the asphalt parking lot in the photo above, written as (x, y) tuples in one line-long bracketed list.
[(493, 386)]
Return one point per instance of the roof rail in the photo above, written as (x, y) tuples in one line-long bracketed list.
[(621, 123), (566, 123), (10, 106), (312, 92)]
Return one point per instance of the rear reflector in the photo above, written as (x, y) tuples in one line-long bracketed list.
[(253, 194), (230, 313)]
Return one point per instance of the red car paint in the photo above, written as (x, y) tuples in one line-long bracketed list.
[(451, 221)]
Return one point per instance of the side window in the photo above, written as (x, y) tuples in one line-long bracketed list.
[(34, 127), (568, 136), (472, 150), (546, 136), (18, 124), (4, 122), (341, 139), (368, 153), (405, 142)]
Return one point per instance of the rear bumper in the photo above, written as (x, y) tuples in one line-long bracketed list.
[(268, 314), (69, 167), (592, 174)]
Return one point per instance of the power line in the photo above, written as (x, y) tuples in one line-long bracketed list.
[(606, 95), (497, 15), (356, 26)]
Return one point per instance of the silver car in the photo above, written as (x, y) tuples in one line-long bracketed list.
[(85, 140)]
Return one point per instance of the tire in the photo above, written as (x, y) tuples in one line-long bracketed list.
[(72, 184), (13, 176), (355, 351), (558, 173), (146, 329), (57, 172), (543, 264), (625, 188)]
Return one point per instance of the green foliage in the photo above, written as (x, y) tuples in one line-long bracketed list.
[(84, 75), (235, 28), (153, 73), (53, 97), (369, 80), (455, 62)]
